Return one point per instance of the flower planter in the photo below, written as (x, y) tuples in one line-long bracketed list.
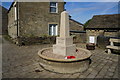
[(90, 46)]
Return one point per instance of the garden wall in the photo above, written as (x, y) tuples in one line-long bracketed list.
[(79, 37), (35, 40)]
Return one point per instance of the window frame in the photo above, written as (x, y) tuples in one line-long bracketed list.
[(55, 30), (53, 7), (91, 38)]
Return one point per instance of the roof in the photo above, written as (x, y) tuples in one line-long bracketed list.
[(76, 21), (104, 22), (73, 31), (11, 6)]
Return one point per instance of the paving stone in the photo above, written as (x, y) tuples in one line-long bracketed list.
[(82, 76), (54, 75), (85, 74), (99, 76), (111, 70), (21, 62), (44, 74), (57, 76), (102, 72), (94, 72), (91, 76), (66, 76), (107, 77), (115, 76), (110, 74), (94, 65), (76, 75), (89, 79), (30, 75)]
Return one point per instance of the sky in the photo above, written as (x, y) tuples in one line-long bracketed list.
[(83, 11)]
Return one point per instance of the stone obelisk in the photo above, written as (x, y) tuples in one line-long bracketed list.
[(64, 44)]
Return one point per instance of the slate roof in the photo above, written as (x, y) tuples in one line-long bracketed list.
[(76, 21), (104, 22)]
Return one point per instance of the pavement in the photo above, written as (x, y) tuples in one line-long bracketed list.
[(23, 62)]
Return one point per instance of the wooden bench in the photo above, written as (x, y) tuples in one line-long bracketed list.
[(112, 46)]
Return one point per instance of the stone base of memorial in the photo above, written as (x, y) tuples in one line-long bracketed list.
[(58, 63)]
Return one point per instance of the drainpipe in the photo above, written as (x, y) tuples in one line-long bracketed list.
[(17, 7)]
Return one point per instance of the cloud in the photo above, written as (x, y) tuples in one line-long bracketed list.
[(110, 11), (83, 9), (97, 7)]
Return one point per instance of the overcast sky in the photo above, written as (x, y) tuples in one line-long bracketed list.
[(83, 11)]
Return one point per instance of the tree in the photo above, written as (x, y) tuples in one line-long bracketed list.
[(87, 22)]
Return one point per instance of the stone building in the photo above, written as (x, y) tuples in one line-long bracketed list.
[(75, 25), (3, 20), (78, 33), (102, 25), (30, 19)]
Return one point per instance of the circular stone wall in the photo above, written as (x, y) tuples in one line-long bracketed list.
[(55, 64)]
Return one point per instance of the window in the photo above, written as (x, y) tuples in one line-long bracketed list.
[(15, 13), (15, 10), (53, 29), (53, 7), (91, 39)]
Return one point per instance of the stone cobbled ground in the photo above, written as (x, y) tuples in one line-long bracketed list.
[(23, 62)]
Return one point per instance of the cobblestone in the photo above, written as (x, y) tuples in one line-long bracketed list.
[(22, 62)]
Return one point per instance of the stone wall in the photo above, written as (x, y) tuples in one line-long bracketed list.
[(35, 40), (79, 37), (92, 33), (3, 20), (35, 18), (101, 37), (12, 24), (112, 34), (103, 41)]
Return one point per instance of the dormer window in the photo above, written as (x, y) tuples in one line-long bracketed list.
[(53, 7)]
